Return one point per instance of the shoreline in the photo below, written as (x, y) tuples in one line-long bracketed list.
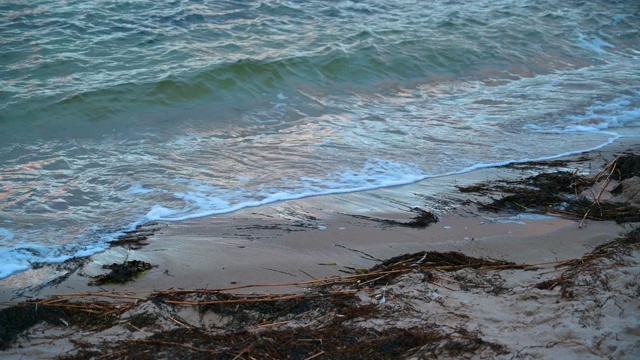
[(281, 241), (298, 241)]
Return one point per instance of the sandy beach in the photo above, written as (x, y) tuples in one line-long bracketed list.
[(588, 308)]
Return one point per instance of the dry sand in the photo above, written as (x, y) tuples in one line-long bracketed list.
[(315, 238)]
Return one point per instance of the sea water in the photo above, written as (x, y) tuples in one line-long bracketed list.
[(113, 113)]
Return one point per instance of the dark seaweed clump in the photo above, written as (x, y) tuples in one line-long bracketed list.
[(137, 238), (422, 219), (334, 341), (17, 319), (450, 260), (121, 273), (628, 166)]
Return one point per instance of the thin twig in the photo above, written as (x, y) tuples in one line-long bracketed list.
[(179, 323), (315, 355), (446, 287), (243, 351), (583, 218)]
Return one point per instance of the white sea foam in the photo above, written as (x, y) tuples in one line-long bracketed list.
[(206, 200), (618, 113), (22, 256), (375, 174)]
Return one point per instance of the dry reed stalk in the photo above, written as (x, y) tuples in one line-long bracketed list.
[(607, 180), (108, 295), (584, 218), (315, 355), (441, 285), (256, 300), (372, 280), (213, 291), (168, 343), (179, 323)]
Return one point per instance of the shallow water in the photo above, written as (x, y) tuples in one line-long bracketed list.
[(115, 113)]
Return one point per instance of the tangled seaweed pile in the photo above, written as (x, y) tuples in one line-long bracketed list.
[(565, 193), (321, 321), (121, 273)]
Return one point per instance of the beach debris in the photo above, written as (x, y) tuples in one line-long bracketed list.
[(627, 166), (138, 237), (364, 254), (447, 261), (589, 268), (121, 273), (564, 193), (422, 219), (16, 319)]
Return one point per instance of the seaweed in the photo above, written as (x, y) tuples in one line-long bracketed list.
[(448, 261), (336, 340), (479, 188), (142, 320), (17, 319), (546, 163), (137, 238), (561, 193), (121, 273), (422, 219), (524, 200), (589, 267), (628, 166)]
